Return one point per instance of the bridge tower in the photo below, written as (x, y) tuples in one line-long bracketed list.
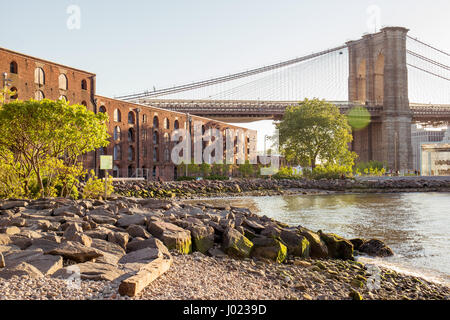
[(378, 76)]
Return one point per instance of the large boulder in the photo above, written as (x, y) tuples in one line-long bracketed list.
[(111, 252), (126, 221), (173, 237), (136, 231), (46, 264), (22, 269), (76, 251), (236, 244), (202, 237), (269, 248), (145, 255), (120, 238), (338, 247), (4, 239), (297, 245), (147, 243), (318, 248), (13, 204), (376, 248), (90, 271)]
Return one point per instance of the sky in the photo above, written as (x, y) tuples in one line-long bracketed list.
[(134, 45)]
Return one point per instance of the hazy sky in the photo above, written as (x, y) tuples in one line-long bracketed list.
[(135, 45)]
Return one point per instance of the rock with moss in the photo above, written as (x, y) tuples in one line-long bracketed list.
[(202, 237), (297, 244), (338, 247), (318, 248), (269, 248), (376, 248), (235, 244), (355, 295), (173, 237)]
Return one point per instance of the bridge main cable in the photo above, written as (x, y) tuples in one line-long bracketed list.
[(206, 83)]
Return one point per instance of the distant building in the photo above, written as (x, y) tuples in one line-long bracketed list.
[(139, 143), (419, 136), (435, 159)]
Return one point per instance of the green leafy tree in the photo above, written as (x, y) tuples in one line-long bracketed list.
[(246, 169), (315, 130), (205, 169), (45, 139)]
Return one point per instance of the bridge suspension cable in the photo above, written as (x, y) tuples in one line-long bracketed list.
[(428, 72), (232, 77)]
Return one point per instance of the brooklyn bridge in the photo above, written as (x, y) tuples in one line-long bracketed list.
[(399, 79)]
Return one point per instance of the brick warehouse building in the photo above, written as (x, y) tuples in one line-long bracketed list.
[(140, 135)]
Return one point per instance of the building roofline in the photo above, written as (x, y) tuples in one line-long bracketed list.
[(166, 110), (46, 61)]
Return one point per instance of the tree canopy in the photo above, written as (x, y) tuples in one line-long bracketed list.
[(313, 131), (42, 140)]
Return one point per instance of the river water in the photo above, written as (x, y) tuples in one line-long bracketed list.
[(415, 225)]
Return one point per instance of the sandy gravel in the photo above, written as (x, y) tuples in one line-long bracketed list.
[(200, 277)]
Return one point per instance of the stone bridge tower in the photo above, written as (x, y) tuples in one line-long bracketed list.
[(378, 76)]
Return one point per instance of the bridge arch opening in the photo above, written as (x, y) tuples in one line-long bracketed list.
[(379, 79), (361, 82)]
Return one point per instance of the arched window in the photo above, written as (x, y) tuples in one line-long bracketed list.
[(166, 138), (102, 109), (13, 67), (84, 103), (117, 115), (117, 152), (155, 122), (64, 98), (39, 76), (166, 123), (62, 82), (176, 125), (83, 84), (131, 117), (130, 153), (117, 133), (155, 154), (155, 137), (15, 96), (39, 95), (130, 135), (166, 155)]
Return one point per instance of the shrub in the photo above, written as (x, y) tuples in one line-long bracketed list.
[(95, 187), (217, 177), (287, 173), (185, 178), (330, 171), (371, 168)]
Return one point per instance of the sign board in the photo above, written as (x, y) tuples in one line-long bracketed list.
[(106, 162)]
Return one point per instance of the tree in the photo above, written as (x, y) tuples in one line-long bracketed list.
[(246, 169), (315, 130), (46, 140)]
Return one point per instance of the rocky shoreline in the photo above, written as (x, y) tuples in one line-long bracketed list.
[(270, 187), (131, 248)]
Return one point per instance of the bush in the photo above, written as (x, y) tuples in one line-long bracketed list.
[(217, 177), (331, 171), (95, 187), (371, 168), (185, 178), (287, 173)]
